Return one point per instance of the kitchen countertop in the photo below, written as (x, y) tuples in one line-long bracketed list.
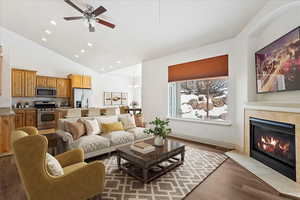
[(6, 112), (30, 108)]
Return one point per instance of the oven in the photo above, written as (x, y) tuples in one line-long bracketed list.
[(46, 92), (46, 117)]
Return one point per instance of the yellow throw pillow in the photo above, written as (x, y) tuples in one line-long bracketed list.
[(110, 127)]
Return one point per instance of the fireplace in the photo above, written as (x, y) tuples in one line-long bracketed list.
[(273, 143)]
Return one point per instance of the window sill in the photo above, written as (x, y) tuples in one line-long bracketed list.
[(223, 123)]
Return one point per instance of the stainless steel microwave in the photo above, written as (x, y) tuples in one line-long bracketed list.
[(46, 92)]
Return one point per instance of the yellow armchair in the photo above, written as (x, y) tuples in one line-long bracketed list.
[(30, 130), (80, 180)]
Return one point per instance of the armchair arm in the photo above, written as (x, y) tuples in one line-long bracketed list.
[(70, 157), (30, 130), (82, 183), (66, 137)]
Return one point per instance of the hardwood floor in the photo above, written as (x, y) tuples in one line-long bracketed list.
[(10, 183), (229, 182)]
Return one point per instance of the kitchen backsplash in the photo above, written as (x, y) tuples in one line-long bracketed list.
[(59, 101)]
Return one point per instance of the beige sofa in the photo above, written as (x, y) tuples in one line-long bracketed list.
[(94, 145)]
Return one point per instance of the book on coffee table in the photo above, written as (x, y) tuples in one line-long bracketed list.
[(142, 147)]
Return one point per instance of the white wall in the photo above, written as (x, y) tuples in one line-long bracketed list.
[(155, 93), (20, 52), (274, 20), (137, 90), (278, 27)]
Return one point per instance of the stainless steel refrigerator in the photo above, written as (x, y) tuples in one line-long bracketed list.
[(82, 97)]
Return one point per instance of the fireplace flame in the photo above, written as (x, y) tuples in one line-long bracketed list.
[(271, 144)]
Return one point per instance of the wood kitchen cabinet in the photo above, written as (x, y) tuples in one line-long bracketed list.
[(17, 79), (31, 117), (19, 118), (45, 82), (86, 82), (30, 83), (41, 81), (6, 126), (80, 81), (76, 80), (25, 117), (23, 83), (63, 88), (51, 82)]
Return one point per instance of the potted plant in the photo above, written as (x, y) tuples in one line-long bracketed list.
[(160, 130)]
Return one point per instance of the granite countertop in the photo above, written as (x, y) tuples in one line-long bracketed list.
[(6, 112), (29, 108)]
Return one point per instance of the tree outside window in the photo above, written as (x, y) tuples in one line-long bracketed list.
[(202, 99)]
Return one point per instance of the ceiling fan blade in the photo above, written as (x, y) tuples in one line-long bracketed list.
[(72, 18), (73, 5), (99, 11), (91, 28), (105, 23)]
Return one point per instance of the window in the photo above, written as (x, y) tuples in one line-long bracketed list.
[(201, 99)]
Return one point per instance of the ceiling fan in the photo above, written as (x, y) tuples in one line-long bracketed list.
[(90, 16)]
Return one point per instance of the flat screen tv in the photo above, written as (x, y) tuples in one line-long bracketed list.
[(278, 64)]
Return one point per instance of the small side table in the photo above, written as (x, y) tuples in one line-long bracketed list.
[(55, 143)]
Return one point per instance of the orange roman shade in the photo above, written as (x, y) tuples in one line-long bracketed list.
[(205, 68)]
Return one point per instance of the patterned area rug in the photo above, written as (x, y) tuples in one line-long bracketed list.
[(174, 185)]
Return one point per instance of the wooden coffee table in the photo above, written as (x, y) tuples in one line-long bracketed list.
[(147, 167)]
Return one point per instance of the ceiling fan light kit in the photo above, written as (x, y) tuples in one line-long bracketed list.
[(89, 16)]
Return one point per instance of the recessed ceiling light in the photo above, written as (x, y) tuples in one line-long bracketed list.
[(82, 51), (48, 32), (119, 62), (90, 44), (76, 56), (44, 39), (53, 22), (110, 66), (102, 69)]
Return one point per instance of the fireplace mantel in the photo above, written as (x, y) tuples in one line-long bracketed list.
[(273, 106)]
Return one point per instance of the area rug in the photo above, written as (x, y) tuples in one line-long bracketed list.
[(174, 185)]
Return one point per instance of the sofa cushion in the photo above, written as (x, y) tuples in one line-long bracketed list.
[(120, 137), (138, 133), (110, 119), (111, 127), (92, 126), (91, 143), (106, 119), (77, 129), (127, 121), (62, 124)]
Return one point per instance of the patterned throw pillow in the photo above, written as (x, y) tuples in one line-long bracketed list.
[(77, 129), (127, 121), (92, 126), (110, 127), (53, 166)]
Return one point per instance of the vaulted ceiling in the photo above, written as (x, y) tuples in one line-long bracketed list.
[(145, 28)]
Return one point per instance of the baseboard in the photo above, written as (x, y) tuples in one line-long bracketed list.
[(204, 140)]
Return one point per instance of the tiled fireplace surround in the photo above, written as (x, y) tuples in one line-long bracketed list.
[(279, 113)]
